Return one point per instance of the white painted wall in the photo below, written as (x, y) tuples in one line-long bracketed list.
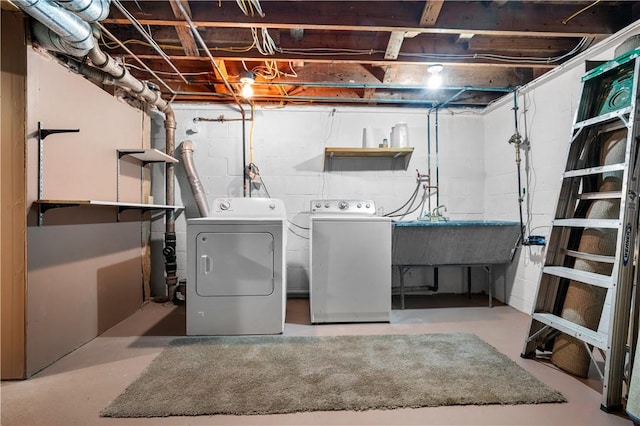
[(546, 112), (288, 147)]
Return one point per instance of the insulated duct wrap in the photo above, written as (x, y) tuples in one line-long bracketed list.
[(186, 149), (58, 29), (89, 10)]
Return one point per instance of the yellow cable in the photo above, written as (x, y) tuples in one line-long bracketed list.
[(253, 120), (564, 21)]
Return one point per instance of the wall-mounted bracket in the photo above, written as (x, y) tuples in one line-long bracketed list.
[(42, 134)]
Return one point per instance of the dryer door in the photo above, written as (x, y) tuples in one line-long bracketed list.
[(235, 264)]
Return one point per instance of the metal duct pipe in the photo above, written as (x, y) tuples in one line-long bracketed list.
[(89, 10), (123, 78), (186, 149), (58, 29)]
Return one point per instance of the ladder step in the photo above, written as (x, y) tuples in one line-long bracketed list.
[(589, 256), (595, 170), (604, 195), (581, 333), (590, 278), (604, 117), (588, 223)]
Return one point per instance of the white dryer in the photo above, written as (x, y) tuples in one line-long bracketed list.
[(236, 273)]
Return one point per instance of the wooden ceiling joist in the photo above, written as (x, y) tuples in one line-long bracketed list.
[(513, 19), (431, 12), (184, 33), (355, 52)]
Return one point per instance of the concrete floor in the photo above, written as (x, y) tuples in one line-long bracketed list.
[(76, 388)]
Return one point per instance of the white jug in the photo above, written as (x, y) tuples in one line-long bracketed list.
[(400, 135)]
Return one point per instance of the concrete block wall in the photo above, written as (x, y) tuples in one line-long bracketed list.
[(546, 110), (288, 147), (476, 166)]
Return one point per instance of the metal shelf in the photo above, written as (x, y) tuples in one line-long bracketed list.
[(44, 205), (147, 155)]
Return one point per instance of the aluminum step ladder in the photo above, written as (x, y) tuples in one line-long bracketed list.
[(608, 109)]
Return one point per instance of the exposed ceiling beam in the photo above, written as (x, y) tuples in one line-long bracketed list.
[(332, 74), (222, 75), (514, 18), (394, 45), (431, 12), (520, 44), (184, 33), (374, 59)]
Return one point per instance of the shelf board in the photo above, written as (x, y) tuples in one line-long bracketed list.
[(52, 204), (147, 155), (368, 152), (390, 153)]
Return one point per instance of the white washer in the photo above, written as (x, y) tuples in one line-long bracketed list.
[(236, 273), (350, 262)]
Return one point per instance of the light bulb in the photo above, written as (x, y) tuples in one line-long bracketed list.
[(435, 81), (247, 90)]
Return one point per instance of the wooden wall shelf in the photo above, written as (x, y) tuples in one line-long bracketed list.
[(401, 154)]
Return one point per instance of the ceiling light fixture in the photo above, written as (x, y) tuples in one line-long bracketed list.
[(435, 81), (247, 80)]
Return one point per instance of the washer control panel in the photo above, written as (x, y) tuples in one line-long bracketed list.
[(344, 206)]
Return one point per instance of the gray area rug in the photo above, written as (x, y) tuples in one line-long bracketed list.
[(278, 374)]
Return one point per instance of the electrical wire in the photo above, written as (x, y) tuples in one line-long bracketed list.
[(148, 36), (253, 115), (564, 21), (112, 46), (321, 51), (103, 31), (167, 72), (269, 68)]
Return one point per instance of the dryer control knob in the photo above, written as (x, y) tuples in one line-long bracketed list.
[(359, 205), (326, 205), (318, 205), (342, 205), (272, 206), (224, 205)]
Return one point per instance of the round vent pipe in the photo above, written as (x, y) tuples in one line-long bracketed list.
[(58, 29), (186, 149)]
